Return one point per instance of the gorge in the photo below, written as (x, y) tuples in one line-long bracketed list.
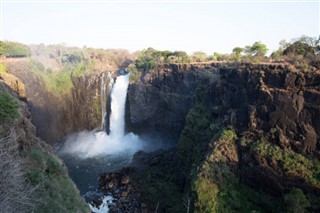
[(198, 137)]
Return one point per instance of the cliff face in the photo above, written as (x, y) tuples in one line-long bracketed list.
[(46, 108), (247, 96), (246, 129), (89, 102), (160, 100), (56, 116)]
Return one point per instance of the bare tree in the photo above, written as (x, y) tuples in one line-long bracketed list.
[(186, 203)]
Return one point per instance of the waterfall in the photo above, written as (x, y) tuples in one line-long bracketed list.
[(118, 105), (92, 143)]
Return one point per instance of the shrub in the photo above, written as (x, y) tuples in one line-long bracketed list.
[(8, 107)]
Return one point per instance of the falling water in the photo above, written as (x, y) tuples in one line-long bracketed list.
[(91, 144), (103, 99), (118, 104)]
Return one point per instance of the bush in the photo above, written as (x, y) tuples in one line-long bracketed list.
[(8, 107)]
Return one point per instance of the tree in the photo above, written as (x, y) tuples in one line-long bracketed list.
[(199, 56), (311, 41), (257, 49), (237, 52), (283, 44)]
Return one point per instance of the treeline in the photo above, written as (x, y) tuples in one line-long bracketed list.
[(300, 52), (14, 49)]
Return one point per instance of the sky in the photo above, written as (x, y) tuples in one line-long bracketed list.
[(209, 26)]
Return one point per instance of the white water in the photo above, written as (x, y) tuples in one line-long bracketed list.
[(118, 106), (92, 144), (103, 208)]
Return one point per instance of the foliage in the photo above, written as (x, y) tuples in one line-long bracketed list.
[(14, 49), (134, 73), (237, 52), (149, 58), (3, 68), (296, 201), (58, 83), (207, 192), (299, 48), (228, 135), (292, 163), (256, 49), (199, 56), (217, 189), (57, 192), (8, 107), (219, 57)]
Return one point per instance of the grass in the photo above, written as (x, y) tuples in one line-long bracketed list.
[(8, 107)]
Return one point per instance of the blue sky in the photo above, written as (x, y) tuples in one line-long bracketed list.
[(208, 26)]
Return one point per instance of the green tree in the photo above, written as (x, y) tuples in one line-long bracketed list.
[(236, 52), (199, 56), (257, 49), (283, 44)]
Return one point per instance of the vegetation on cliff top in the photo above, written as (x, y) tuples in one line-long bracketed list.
[(14, 49)]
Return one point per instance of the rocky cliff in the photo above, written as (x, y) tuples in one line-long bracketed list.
[(161, 98), (249, 135), (89, 103), (57, 115)]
